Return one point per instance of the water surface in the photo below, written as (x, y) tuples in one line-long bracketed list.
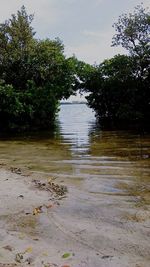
[(81, 155)]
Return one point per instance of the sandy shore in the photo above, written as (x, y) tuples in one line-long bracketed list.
[(39, 228)]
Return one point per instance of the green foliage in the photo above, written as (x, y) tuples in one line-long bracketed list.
[(116, 94), (33, 109), (10, 106), (119, 88), (133, 31), (133, 34), (36, 75), (16, 38), (81, 72)]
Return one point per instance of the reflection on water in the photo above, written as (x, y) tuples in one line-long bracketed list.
[(94, 161), (76, 121)]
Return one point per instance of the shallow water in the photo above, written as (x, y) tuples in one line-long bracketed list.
[(85, 157)]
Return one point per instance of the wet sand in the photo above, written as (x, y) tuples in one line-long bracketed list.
[(75, 230)]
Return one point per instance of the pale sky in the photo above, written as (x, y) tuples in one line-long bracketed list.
[(84, 26)]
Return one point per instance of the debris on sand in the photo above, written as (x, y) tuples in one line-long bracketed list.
[(15, 170), (8, 265), (57, 190)]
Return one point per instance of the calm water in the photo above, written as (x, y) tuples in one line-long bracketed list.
[(83, 156)]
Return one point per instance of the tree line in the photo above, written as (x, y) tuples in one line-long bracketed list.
[(35, 75), (119, 88)]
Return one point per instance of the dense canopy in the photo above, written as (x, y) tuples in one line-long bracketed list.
[(34, 75)]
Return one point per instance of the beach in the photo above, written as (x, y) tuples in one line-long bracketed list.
[(40, 228)]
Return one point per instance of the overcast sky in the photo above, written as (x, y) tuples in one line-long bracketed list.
[(84, 26)]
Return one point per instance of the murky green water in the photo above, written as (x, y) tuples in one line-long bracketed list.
[(83, 156)]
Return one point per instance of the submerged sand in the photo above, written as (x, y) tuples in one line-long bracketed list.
[(39, 228)]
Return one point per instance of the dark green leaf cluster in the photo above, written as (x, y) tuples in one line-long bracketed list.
[(35, 75), (116, 94)]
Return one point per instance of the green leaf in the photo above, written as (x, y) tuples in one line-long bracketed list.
[(66, 255)]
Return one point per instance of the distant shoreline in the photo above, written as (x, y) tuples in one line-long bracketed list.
[(72, 103)]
